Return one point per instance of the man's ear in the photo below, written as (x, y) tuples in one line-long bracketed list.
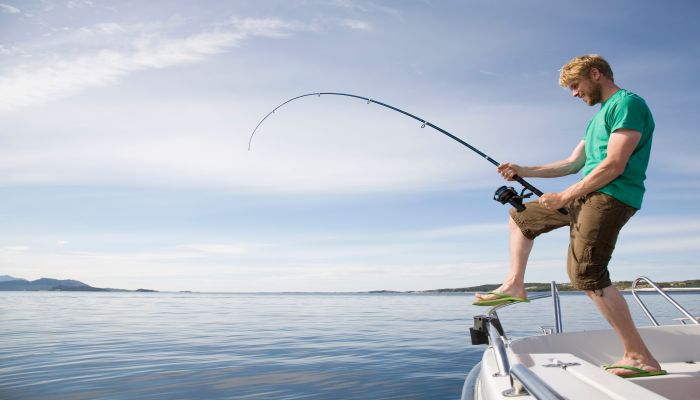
[(594, 74)]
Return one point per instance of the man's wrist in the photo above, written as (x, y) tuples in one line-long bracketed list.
[(569, 195)]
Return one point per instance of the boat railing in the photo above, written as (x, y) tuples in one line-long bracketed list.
[(680, 308), (523, 381), (498, 341), (558, 328), (488, 329)]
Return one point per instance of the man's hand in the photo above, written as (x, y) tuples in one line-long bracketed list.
[(553, 201), (509, 170)]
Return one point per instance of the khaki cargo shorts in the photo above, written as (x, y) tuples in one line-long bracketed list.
[(594, 221)]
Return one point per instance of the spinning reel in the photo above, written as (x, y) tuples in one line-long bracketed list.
[(507, 194)]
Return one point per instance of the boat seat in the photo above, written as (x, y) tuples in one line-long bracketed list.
[(583, 378), (669, 344)]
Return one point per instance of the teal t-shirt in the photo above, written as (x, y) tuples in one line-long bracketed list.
[(623, 109)]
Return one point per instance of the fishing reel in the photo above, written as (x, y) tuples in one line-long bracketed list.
[(507, 194)]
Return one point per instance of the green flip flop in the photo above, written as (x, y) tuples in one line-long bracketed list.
[(637, 372), (502, 298)]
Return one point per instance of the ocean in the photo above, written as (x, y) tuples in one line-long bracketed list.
[(71, 345)]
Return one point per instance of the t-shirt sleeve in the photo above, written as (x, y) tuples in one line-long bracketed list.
[(630, 113)]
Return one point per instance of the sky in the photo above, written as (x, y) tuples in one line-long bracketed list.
[(124, 129)]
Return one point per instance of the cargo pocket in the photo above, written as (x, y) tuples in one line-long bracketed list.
[(588, 266)]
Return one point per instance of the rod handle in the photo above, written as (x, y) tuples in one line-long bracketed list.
[(534, 190)]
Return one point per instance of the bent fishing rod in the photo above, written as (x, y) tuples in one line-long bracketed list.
[(503, 195)]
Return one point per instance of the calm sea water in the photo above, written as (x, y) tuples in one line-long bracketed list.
[(59, 345)]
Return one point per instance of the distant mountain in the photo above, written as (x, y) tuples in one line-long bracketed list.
[(8, 283), (5, 278)]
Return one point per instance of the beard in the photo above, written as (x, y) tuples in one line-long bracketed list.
[(595, 95)]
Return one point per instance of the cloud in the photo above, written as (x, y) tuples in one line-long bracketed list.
[(652, 226), (269, 27), (218, 249), (363, 6), (14, 249), (72, 4), (35, 84), (10, 50), (356, 24), (57, 76), (658, 245), (660, 235), (6, 8)]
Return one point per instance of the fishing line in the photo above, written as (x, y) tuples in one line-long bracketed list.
[(503, 195)]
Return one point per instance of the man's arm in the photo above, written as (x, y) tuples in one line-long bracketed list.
[(567, 166), (620, 147)]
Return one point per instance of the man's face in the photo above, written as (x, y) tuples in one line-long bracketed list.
[(589, 91)]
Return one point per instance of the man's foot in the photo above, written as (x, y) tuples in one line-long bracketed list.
[(635, 367), (500, 299), (508, 291)]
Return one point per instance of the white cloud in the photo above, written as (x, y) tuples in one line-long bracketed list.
[(79, 4), (269, 27), (364, 6), (6, 8), (661, 245), (465, 230), (57, 76), (14, 249), (652, 226), (218, 249), (660, 235), (47, 5), (34, 84), (110, 28), (356, 24), (10, 50)]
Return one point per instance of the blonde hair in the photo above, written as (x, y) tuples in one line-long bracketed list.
[(581, 66)]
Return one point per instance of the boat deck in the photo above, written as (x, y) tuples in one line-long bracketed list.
[(571, 363)]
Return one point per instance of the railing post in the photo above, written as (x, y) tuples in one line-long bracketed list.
[(499, 351), (557, 308)]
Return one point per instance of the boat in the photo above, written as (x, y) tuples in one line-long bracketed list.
[(567, 365)]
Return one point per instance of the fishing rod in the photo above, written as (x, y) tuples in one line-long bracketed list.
[(503, 195)]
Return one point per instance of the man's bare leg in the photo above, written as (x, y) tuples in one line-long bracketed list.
[(520, 248), (614, 308)]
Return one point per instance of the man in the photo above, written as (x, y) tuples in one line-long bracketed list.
[(613, 158)]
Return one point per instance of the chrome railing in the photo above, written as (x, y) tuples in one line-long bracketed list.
[(557, 308), (497, 336), (522, 379), (498, 342), (662, 293)]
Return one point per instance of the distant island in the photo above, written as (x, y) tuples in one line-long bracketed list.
[(9, 283), (693, 284)]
